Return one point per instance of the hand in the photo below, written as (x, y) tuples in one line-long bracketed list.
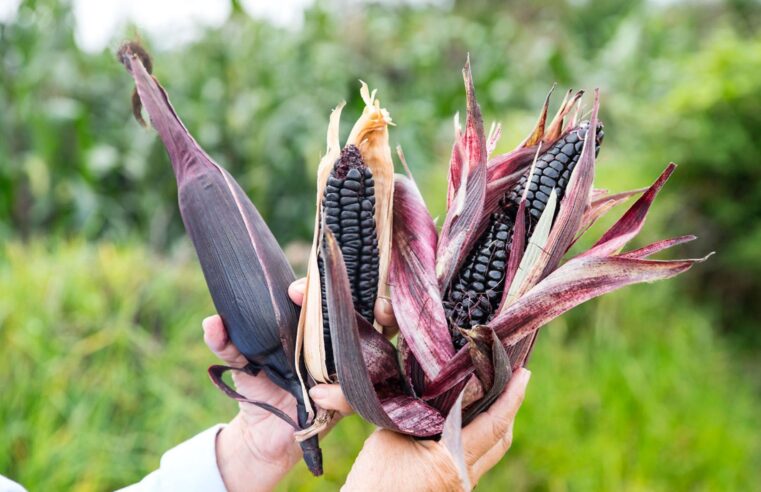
[(391, 461), (257, 449), (255, 441), (330, 396)]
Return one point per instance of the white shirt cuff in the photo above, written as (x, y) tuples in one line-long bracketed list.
[(8, 485), (190, 466)]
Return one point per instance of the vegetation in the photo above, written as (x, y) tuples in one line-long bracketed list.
[(101, 298)]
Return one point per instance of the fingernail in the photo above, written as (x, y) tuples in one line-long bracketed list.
[(318, 392), (386, 305), (299, 284), (525, 376)]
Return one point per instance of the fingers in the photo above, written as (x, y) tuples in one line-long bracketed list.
[(215, 336), (492, 456), (384, 315), (383, 311), (330, 397), (296, 291), (492, 427)]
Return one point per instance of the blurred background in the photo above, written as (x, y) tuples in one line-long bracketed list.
[(101, 298)]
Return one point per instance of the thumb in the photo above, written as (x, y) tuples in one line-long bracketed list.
[(330, 397), (216, 338), (494, 425)]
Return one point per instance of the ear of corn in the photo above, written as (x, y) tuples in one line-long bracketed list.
[(349, 211), (355, 193), (245, 269), (366, 362), (478, 289)]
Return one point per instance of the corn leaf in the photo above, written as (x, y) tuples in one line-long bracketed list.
[(472, 142), (575, 201), (414, 290), (495, 132), (531, 266), (517, 249), (632, 221), (451, 438), (502, 371), (504, 170), (651, 249), (601, 202), (465, 213), (537, 134), (556, 126), (580, 279)]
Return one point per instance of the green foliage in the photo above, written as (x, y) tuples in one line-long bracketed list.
[(104, 370), (635, 400), (257, 98), (101, 363), (713, 117)]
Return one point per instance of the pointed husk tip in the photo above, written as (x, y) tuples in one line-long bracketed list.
[(129, 51)]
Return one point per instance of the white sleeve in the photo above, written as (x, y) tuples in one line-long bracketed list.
[(190, 466), (7, 485)]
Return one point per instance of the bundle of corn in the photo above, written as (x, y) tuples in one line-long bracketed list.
[(470, 298)]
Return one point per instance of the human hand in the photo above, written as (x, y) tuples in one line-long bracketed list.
[(257, 449), (255, 442), (330, 396), (391, 461)]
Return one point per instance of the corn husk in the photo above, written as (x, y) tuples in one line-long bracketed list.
[(245, 269)]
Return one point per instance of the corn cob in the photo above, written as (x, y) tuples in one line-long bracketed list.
[(477, 290), (348, 207), (354, 198)]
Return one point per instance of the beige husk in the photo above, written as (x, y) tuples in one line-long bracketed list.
[(370, 136)]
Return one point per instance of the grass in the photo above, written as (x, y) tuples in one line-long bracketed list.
[(103, 369)]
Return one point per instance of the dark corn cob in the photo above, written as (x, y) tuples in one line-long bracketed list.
[(348, 207), (553, 170), (477, 290)]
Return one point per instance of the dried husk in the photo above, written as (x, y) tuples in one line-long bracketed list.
[(245, 269)]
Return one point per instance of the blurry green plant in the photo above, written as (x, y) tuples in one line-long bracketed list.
[(74, 162), (712, 125)]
